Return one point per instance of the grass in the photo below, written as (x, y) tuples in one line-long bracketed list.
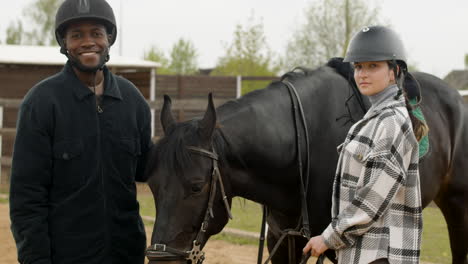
[(3, 194), (247, 216), (435, 243), (146, 204), (235, 239)]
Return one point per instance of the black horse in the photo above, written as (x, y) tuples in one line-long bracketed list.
[(252, 141)]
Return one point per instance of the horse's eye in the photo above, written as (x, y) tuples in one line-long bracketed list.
[(196, 188)]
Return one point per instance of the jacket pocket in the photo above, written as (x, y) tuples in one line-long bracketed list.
[(126, 162), (354, 163), (68, 170), (131, 146), (360, 152)]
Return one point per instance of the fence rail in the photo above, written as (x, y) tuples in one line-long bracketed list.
[(10, 103), (6, 161), (186, 104)]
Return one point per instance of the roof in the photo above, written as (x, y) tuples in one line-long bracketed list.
[(50, 55), (458, 79)]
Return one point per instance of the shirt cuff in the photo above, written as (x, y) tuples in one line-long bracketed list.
[(332, 239)]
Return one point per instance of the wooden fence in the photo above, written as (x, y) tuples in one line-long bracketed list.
[(188, 93)]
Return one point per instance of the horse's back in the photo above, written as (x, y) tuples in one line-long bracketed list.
[(445, 115)]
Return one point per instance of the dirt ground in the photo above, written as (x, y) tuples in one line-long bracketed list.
[(217, 251)]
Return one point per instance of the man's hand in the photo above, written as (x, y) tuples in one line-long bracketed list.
[(316, 246)]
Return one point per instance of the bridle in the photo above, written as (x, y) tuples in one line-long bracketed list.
[(195, 255)]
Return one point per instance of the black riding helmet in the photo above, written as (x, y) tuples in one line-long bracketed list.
[(376, 43), (379, 43), (75, 10)]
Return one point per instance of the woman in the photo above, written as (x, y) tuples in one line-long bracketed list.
[(376, 211)]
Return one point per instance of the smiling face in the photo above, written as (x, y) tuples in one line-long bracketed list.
[(372, 77), (88, 43)]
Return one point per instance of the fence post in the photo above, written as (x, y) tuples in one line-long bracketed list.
[(1, 141), (239, 86), (153, 98)]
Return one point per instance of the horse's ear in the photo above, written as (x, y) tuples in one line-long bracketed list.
[(208, 123), (167, 120)]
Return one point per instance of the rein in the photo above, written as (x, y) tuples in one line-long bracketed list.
[(158, 252), (302, 229)]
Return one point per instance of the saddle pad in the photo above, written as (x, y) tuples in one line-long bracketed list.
[(424, 141)]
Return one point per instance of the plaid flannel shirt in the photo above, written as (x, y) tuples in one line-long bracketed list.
[(376, 204)]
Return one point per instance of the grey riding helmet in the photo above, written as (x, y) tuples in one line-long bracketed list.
[(375, 43), (75, 10)]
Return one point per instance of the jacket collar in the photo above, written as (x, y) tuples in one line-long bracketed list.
[(81, 91), (389, 102)]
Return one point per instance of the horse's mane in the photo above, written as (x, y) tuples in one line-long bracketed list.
[(171, 150), (298, 72)]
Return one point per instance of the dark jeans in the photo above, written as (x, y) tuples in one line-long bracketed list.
[(380, 261)]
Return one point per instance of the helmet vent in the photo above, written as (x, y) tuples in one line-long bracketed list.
[(83, 7)]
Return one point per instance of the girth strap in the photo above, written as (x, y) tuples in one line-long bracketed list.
[(297, 107), (300, 124)]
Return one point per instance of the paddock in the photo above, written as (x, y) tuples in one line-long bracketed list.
[(190, 92)]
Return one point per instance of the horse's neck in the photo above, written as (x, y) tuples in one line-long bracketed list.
[(262, 134), (260, 139)]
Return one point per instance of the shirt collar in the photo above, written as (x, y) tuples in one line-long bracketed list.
[(81, 91), (389, 99)]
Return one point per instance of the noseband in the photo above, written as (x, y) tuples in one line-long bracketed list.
[(195, 255)]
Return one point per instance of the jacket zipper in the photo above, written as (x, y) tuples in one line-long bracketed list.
[(101, 174)]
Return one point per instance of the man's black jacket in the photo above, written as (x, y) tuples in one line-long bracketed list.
[(72, 193)]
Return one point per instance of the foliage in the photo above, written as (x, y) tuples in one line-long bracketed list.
[(14, 33), (413, 67), (183, 58), (329, 26), (248, 54), (39, 17), (466, 61), (182, 61), (157, 55)]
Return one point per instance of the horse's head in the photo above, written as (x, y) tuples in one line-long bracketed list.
[(187, 188)]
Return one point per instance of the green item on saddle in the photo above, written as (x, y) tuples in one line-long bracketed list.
[(424, 141)]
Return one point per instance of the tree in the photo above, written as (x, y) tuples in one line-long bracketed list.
[(157, 55), (39, 17), (183, 58), (14, 33), (330, 25), (248, 54), (42, 16), (466, 61)]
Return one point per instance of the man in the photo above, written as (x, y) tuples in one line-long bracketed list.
[(82, 138)]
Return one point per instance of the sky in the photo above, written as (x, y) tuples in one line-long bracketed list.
[(435, 32)]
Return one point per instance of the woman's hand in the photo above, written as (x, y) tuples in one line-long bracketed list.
[(316, 246)]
